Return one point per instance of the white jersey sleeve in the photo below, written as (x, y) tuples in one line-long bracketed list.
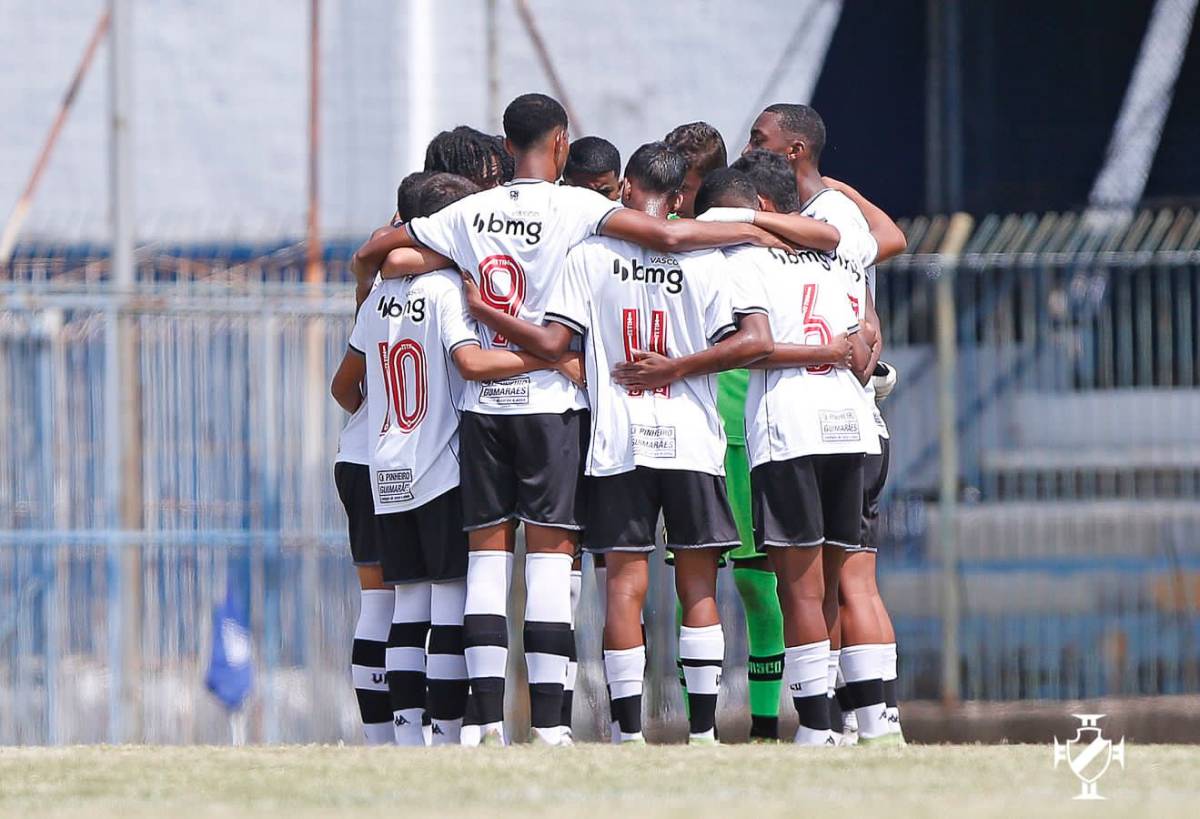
[(455, 324), (719, 318), (584, 212), (358, 334), (570, 304), (447, 231)]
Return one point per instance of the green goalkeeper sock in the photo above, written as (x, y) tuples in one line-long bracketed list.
[(764, 624)]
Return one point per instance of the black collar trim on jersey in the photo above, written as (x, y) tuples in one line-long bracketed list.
[(808, 204), (526, 181)]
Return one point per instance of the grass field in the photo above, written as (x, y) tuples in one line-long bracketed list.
[(1014, 782)]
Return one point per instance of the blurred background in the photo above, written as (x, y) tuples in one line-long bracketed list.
[(184, 182)]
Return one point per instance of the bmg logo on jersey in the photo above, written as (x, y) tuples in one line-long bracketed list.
[(662, 270), (522, 227), (390, 307)]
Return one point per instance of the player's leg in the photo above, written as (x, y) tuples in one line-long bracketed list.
[(831, 563), (756, 586), (568, 702), (624, 648), (404, 567), (874, 477), (700, 529), (369, 650), (488, 498), (623, 513), (445, 547), (550, 500), (701, 640), (789, 525)]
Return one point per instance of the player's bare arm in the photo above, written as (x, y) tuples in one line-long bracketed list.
[(751, 342), (876, 343), (346, 387), (477, 364), (679, 235), (837, 352), (547, 341), (887, 234), (370, 257), (802, 231)]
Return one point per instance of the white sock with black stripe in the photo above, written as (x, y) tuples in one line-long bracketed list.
[(806, 675), (368, 664), (625, 670), (568, 701), (446, 672), (485, 636), (702, 653), (862, 666), (406, 661), (889, 687), (547, 639)]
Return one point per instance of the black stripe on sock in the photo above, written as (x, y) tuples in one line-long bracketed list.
[(487, 694), (568, 704), (764, 727), (865, 693), (548, 638), (571, 655), (446, 640), (813, 711), (627, 711), (369, 653), (374, 706), (843, 698), (406, 689), (447, 698), (545, 704), (703, 712), (765, 669), (485, 630), (690, 662), (408, 635), (889, 693)]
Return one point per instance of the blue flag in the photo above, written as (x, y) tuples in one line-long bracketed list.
[(229, 675)]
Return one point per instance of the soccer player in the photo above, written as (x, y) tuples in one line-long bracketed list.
[(653, 451), (806, 423), (523, 438), (594, 163), (797, 132), (704, 149), (414, 344)]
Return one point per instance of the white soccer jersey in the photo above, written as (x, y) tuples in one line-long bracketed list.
[(807, 410), (407, 330), (622, 297), (513, 240), (857, 262), (352, 441)]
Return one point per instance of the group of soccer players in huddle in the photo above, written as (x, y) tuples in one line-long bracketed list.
[(529, 351)]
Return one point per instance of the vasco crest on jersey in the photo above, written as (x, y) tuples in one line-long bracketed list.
[(662, 270), (392, 308)]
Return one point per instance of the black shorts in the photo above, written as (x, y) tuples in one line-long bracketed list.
[(808, 501), (426, 543), (528, 467), (353, 483), (875, 472), (623, 511)]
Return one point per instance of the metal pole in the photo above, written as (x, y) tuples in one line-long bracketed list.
[(543, 55), (493, 67), (116, 382), (420, 81), (314, 270), (12, 228), (947, 363)]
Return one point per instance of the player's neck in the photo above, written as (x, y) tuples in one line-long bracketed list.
[(656, 207), (808, 182), (536, 165)]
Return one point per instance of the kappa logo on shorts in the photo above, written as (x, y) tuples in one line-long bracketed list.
[(395, 485), (839, 426)]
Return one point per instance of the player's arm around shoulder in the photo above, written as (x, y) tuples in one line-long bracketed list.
[(888, 236), (346, 387), (679, 235)]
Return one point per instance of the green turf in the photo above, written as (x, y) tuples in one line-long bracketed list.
[(1014, 782)]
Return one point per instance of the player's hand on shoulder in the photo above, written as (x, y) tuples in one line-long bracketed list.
[(474, 298), (647, 371), (765, 238), (571, 365)]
